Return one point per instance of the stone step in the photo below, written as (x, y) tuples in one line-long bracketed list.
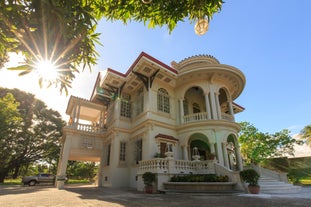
[(270, 185), (209, 192)]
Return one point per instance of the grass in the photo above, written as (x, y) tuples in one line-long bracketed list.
[(72, 181), (12, 182), (305, 181), (19, 181)]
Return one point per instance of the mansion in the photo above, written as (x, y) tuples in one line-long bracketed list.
[(169, 120)]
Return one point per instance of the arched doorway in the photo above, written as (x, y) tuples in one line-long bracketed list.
[(200, 142)]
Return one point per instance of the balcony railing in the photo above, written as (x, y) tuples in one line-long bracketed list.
[(87, 128), (195, 117), (171, 166), (227, 117), (203, 117)]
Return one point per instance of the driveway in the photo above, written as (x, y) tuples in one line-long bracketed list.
[(91, 196)]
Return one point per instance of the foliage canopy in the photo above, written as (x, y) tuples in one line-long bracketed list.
[(306, 134), (63, 32), (257, 146), (30, 134)]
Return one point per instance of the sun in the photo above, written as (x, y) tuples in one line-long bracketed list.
[(46, 70)]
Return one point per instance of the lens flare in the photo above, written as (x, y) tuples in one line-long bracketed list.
[(46, 70)]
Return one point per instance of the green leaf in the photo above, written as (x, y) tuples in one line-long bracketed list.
[(21, 67)]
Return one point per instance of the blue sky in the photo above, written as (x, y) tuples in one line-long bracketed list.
[(270, 41)]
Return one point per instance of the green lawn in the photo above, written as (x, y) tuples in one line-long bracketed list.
[(12, 182), (305, 181), (71, 181)]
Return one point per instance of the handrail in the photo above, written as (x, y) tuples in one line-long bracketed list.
[(280, 176)]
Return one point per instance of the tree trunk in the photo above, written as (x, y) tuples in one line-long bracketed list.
[(3, 174), (16, 171)]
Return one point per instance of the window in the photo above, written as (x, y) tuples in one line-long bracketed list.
[(126, 106), (162, 149), (196, 108), (87, 143), (163, 101), (139, 104), (169, 147), (122, 151), (108, 154), (165, 147), (139, 150)]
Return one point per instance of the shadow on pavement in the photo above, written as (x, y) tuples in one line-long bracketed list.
[(131, 197), (22, 189)]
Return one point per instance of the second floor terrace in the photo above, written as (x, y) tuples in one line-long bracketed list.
[(86, 116)]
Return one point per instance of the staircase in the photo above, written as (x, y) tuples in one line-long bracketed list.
[(270, 185)]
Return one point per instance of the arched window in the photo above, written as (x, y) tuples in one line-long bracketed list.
[(196, 108), (163, 101)]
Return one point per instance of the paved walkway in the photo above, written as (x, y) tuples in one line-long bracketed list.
[(90, 196)]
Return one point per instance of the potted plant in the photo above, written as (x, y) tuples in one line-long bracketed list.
[(251, 177), (149, 178)]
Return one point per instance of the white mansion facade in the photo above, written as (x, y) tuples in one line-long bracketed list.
[(158, 118)]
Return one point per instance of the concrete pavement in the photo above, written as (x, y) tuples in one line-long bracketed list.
[(91, 196)]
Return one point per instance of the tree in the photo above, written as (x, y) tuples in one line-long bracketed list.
[(306, 134), (59, 31), (257, 146), (63, 32), (81, 170), (10, 124), (34, 138)]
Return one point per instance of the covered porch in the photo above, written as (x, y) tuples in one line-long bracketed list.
[(83, 136)]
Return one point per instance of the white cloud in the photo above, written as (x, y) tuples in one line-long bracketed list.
[(301, 150)]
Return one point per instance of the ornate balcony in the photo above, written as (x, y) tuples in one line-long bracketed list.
[(203, 116), (87, 128)]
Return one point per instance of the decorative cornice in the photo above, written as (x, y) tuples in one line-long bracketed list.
[(199, 57)]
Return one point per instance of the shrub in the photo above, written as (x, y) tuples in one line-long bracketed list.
[(149, 178), (250, 176), (200, 178)]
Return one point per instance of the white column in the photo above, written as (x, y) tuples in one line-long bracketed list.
[(224, 149), (220, 153), (231, 108), (207, 105), (78, 113), (101, 120), (181, 106), (213, 106), (218, 106), (63, 161), (185, 152), (74, 114), (100, 169), (212, 147)]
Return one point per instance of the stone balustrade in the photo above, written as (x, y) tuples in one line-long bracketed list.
[(86, 128), (171, 166), (195, 117), (227, 117), (203, 117)]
